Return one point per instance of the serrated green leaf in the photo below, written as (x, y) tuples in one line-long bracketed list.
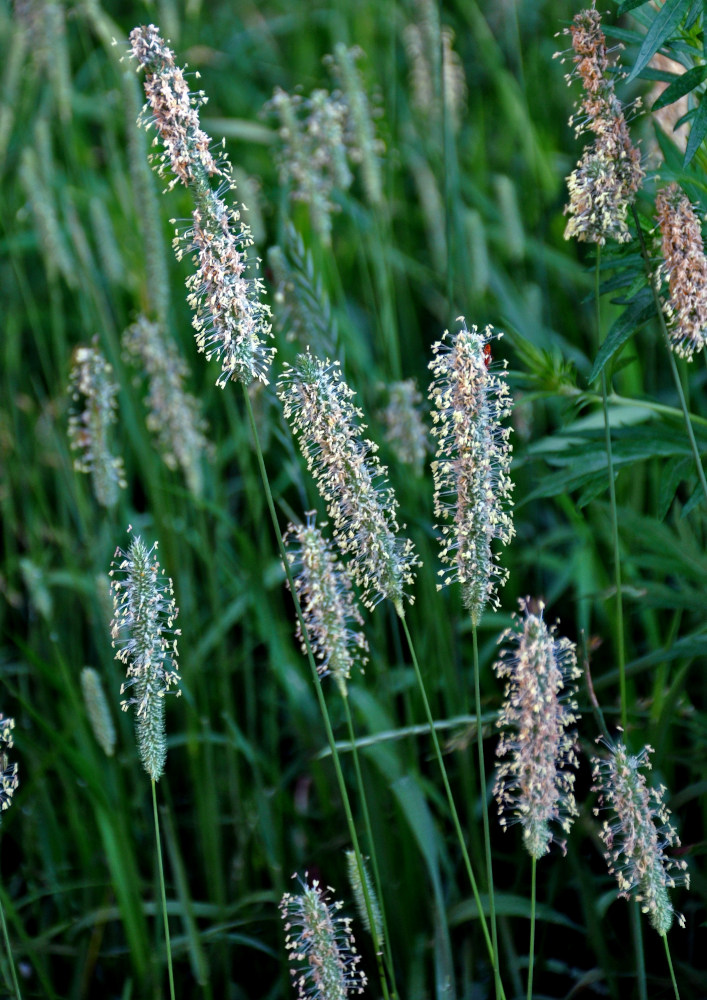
[(639, 311), (697, 132), (680, 86), (667, 19)]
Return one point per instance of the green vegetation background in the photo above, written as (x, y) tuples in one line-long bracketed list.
[(472, 225)]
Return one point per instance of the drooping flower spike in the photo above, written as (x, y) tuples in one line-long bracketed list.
[(143, 630), (350, 479), (328, 603), (472, 485), (685, 267), (535, 783), (638, 833), (607, 178), (322, 945), (231, 321)]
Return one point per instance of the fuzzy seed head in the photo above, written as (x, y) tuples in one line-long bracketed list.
[(322, 945), (8, 771), (230, 320), (405, 431), (143, 632), (534, 784), (97, 710), (609, 174), (354, 876), (685, 269), (328, 603), (638, 833), (350, 479), (472, 485), (92, 414)]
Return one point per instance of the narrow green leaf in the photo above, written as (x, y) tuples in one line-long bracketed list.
[(697, 132), (667, 19), (680, 86), (629, 5), (640, 309)]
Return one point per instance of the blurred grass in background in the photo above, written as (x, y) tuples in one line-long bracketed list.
[(469, 223)]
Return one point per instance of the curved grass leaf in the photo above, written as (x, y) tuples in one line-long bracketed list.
[(640, 309), (697, 133), (667, 19), (680, 86)]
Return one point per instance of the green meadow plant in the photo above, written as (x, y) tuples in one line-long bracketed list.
[(415, 173)]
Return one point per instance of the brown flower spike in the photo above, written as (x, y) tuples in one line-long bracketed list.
[(685, 268)]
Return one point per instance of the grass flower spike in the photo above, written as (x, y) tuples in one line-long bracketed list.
[(323, 945), (230, 320), (472, 485), (607, 178), (317, 402), (143, 630), (89, 428), (638, 834), (685, 267), (328, 603), (8, 771), (534, 786)]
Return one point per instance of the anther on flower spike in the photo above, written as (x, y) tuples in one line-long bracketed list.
[(534, 783), (350, 479), (321, 943), (472, 484), (328, 603), (607, 178), (230, 319), (8, 770), (685, 267), (638, 833), (143, 630)]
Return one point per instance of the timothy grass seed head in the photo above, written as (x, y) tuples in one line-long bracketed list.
[(472, 486), (143, 630), (8, 771), (350, 479), (534, 784), (638, 833)]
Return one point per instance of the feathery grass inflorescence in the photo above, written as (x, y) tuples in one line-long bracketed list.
[(472, 484), (685, 268), (9, 780), (231, 321), (92, 388), (143, 630), (405, 430), (534, 786), (174, 415), (359, 895), (350, 479), (609, 174), (97, 710), (638, 834), (426, 41), (322, 944), (328, 603)]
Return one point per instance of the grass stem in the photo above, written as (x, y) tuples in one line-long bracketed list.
[(160, 866)]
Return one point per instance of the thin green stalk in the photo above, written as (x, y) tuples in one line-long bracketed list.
[(670, 966), (317, 683), (614, 514), (8, 949), (637, 935), (531, 952), (448, 791), (164, 894), (673, 366), (374, 859), (484, 809)]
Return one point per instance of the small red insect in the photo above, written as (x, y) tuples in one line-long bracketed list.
[(487, 354)]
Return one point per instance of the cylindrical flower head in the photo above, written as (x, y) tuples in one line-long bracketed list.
[(8, 771), (317, 402), (229, 319), (472, 485), (97, 709), (143, 630), (685, 267), (609, 174), (638, 834), (322, 944), (328, 604), (91, 386), (534, 786)]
